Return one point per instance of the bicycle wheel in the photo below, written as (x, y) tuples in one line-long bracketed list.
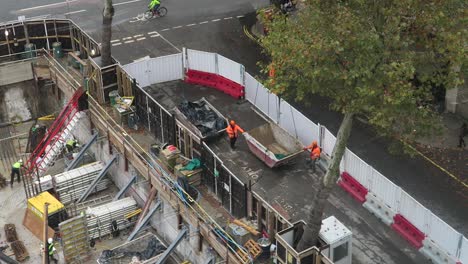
[(162, 11), (148, 14)]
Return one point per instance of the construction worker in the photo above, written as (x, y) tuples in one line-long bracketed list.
[(71, 144), (314, 154), (233, 132), (15, 170), (51, 250)]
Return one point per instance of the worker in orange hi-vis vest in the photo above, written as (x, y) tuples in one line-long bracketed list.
[(233, 132), (314, 154)]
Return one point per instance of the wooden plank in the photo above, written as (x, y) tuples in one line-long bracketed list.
[(34, 224)]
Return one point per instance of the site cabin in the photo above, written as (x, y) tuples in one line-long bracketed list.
[(271, 144)]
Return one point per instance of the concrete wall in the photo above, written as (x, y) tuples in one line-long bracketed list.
[(15, 72), (164, 221)]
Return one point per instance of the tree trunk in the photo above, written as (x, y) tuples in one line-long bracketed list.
[(327, 182), (107, 15)]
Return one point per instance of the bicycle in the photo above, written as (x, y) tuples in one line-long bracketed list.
[(162, 11)]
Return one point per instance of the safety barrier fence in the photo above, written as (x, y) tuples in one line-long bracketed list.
[(418, 225)]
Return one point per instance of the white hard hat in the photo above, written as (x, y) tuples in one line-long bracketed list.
[(20, 161), (37, 126), (50, 240)]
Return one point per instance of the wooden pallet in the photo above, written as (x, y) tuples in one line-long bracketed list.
[(254, 251), (10, 232), (21, 253)]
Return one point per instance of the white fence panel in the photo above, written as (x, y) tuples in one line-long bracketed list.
[(357, 168), (273, 107), (138, 70), (464, 251), (164, 69), (446, 237), (251, 85), (230, 69), (386, 190), (413, 211), (328, 142), (307, 131), (287, 120), (201, 61)]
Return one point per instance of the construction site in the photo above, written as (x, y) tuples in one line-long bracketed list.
[(122, 165)]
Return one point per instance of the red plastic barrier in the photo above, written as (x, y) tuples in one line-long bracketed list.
[(215, 81), (409, 232), (353, 187), (201, 78)]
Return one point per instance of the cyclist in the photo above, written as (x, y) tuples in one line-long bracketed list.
[(154, 6)]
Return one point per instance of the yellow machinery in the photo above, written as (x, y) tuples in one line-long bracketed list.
[(56, 210)]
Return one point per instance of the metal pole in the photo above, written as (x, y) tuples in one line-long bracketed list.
[(172, 246), (45, 257)]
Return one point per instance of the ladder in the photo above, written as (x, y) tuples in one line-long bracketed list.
[(53, 142)]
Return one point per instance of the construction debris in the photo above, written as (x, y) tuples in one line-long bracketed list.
[(132, 251), (10, 232), (21, 253), (100, 218), (3, 181)]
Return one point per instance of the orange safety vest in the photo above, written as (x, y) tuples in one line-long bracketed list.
[(233, 131), (315, 151)]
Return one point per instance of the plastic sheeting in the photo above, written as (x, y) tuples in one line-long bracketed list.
[(153, 248), (205, 119)]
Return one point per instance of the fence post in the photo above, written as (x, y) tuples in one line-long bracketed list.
[(459, 248), (184, 60), (216, 64), (148, 113)]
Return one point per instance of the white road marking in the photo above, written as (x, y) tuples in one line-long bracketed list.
[(141, 38), (170, 43), (191, 25), (133, 21), (129, 41), (48, 5), (115, 40), (152, 32), (126, 38), (166, 29), (117, 44), (216, 20), (226, 18), (204, 22), (75, 12), (128, 2), (239, 16), (176, 27), (153, 36), (137, 36)]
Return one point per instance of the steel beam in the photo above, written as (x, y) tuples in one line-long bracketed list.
[(144, 221), (124, 189), (97, 179), (83, 150), (172, 246)]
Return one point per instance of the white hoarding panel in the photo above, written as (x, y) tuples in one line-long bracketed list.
[(201, 61), (230, 69)]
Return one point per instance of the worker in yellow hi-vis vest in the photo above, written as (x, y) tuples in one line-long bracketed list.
[(15, 170)]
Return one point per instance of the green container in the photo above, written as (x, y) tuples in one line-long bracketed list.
[(57, 48), (30, 51), (112, 96)]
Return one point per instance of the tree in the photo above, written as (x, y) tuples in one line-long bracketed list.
[(376, 59), (107, 15)]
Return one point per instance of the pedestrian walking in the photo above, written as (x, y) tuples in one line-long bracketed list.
[(15, 170), (314, 154), (233, 132), (463, 133)]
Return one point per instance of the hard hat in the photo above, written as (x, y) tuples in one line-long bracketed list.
[(50, 240), (20, 161), (232, 122), (37, 126)]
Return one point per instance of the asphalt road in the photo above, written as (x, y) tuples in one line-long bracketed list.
[(217, 26)]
